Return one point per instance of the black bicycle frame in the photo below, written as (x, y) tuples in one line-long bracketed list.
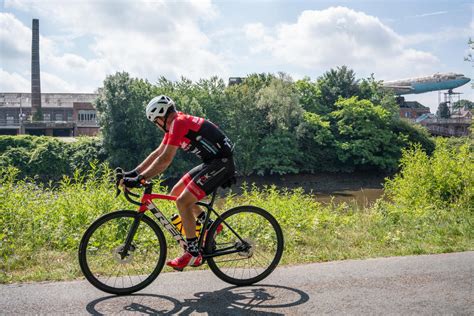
[(181, 241)]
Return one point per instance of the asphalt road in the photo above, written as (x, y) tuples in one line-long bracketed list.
[(435, 284)]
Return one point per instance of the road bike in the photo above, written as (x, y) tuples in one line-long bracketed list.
[(124, 251)]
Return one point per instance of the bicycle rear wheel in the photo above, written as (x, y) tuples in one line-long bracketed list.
[(261, 246), (100, 253)]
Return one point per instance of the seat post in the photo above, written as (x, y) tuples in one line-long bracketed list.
[(213, 197)]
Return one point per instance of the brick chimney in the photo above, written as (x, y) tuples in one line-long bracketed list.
[(35, 74)]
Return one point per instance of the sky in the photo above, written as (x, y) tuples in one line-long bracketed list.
[(83, 41)]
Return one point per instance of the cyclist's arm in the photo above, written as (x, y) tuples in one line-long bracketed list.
[(151, 157), (161, 163)]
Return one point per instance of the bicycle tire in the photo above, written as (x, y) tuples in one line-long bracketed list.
[(211, 242), (89, 275)]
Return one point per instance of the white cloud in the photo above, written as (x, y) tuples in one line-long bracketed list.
[(341, 36), (145, 38), (15, 38), (54, 83), (13, 82), (254, 30)]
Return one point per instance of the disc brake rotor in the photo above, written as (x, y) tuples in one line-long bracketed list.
[(118, 256), (249, 251)]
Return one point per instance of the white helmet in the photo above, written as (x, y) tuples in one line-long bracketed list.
[(158, 107)]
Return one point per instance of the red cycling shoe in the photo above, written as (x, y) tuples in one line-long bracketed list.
[(185, 260)]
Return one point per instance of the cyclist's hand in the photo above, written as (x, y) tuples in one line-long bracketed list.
[(133, 182)]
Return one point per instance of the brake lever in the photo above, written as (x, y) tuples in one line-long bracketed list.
[(117, 193), (118, 176)]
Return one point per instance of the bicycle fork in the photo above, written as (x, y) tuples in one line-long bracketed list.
[(131, 233)]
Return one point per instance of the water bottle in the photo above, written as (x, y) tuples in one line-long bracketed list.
[(176, 221)]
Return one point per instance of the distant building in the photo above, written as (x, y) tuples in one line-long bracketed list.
[(463, 113), (50, 114), (63, 114), (235, 80), (455, 126), (412, 110)]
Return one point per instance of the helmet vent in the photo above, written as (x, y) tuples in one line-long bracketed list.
[(161, 110), (153, 110)]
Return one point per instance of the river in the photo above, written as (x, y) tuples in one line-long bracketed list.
[(363, 188)]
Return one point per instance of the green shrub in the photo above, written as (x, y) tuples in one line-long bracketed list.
[(428, 209), (443, 179), (46, 158)]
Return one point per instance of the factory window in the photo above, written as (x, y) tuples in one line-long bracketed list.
[(46, 117), (87, 115), (58, 117), (69, 116)]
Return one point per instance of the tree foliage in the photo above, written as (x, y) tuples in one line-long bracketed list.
[(47, 158), (463, 104), (279, 126), (334, 123), (443, 110), (128, 136), (363, 134)]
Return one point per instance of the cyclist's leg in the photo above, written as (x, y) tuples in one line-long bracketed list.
[(179, 188), (185, 203), (191, 256), (201, 181)]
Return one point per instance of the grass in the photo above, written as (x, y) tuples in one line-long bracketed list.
[(427, 209)]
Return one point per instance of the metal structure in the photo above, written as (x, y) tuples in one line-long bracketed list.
[(450, 97)]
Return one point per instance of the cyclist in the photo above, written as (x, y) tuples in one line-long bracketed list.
[(194, 135)]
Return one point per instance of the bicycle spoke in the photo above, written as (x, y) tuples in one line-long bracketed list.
[(260, 253), (104, 259), (229, 260)]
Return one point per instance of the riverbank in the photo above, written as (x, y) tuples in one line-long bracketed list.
[(363, 188)]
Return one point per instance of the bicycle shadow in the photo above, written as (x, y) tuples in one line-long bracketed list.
[(255, 300)]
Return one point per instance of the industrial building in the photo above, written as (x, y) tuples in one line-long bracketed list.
[(60, 114), (50, 114)]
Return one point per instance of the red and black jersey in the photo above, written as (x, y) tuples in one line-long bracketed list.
[(198, 136)]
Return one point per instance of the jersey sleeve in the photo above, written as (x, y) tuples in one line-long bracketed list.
[(176, 134)]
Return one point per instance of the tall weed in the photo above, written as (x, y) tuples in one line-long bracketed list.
[(428, 209)]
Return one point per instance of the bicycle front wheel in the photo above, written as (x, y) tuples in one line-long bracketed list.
[(103, 261), (255, 239)]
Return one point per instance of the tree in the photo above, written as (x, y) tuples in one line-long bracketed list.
[(463, 104), (128, 135), (443, 110), (372, 90), (410, 133), (308, 95), (279, 101), (278, 154), (244, 123), (334, 84), (316, 144), (364, 136)]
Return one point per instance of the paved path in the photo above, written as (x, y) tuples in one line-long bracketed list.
[(435, 284)]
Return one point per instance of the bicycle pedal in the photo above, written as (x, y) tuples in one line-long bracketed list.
[(178, 269)]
